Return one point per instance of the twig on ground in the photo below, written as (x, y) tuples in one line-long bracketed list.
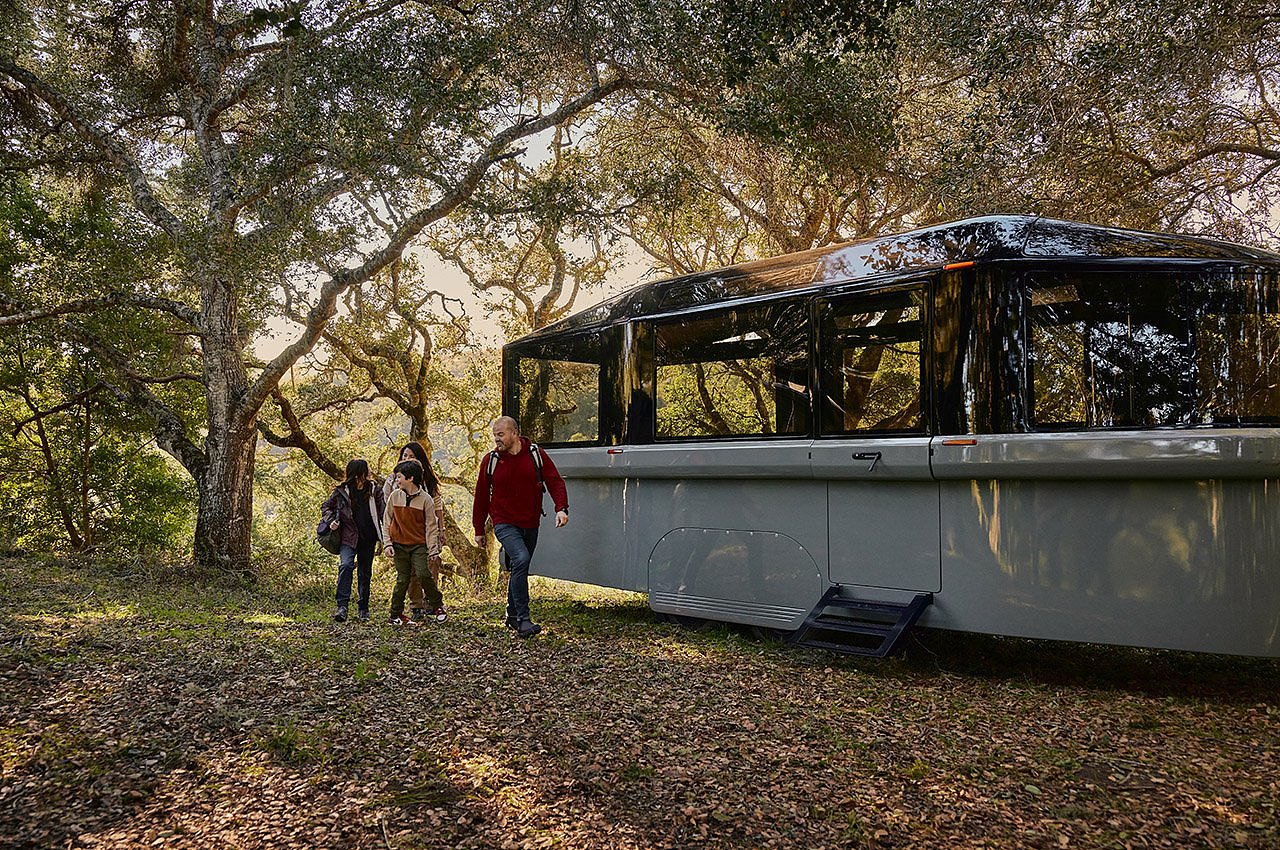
[(382, 822)]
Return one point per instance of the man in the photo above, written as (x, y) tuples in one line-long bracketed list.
[(513, 499)]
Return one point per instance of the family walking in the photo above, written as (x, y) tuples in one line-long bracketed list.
[(405, 519)]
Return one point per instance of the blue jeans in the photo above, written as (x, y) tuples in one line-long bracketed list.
[(360, 559), (518, 544)]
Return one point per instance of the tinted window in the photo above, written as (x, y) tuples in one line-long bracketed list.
[(1125, 350), (558, 391), (741, 372), (871, 363)]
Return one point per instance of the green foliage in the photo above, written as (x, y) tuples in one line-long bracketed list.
[(727, 397)]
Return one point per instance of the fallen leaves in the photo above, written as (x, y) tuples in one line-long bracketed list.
[(142, 716)]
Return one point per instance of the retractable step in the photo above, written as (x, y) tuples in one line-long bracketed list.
[(858, 626)]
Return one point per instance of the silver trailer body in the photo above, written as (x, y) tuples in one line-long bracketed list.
[(1164, 534)]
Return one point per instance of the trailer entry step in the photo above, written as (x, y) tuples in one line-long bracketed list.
[(858, 626)]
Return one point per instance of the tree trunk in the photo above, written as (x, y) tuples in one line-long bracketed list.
[(473, 561), (225, 519), (224, 523)]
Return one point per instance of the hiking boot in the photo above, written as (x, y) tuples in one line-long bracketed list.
[(364, 615), (340, 616), (527, 629), (399, 620)]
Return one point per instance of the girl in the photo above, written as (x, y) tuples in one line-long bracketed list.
[(356, 506)]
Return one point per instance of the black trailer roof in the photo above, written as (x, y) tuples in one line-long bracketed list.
[(1003, 237)]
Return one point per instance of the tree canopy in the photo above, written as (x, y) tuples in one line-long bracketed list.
[(182, 179)]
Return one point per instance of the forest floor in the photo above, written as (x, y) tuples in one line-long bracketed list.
[(139, 712)]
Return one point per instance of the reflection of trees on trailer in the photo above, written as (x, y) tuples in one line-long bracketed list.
[(1015, 425)]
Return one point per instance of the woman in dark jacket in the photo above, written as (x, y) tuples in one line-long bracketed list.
[(356, 506)]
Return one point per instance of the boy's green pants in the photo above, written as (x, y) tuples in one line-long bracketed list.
[(414, 559)]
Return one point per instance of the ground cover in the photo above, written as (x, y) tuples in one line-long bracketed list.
[(137, 711)]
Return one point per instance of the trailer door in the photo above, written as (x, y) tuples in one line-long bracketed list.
[(873, 452)]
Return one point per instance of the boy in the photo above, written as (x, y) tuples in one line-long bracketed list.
[(411, 526)]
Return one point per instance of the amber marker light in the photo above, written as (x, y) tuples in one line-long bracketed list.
[(959, 442), (950, 267)]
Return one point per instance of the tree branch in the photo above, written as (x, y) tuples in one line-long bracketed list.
[(87, 305), (326, 306), (143, 198), (297, 438)]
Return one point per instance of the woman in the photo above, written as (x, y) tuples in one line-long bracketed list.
[(356, 506), (413, 450)]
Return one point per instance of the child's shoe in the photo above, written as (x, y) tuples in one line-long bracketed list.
[(399, 620), (440, 614)]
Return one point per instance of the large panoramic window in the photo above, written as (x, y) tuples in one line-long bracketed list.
[(1110, 350), (741, 372), (558, 390), (871, 380)]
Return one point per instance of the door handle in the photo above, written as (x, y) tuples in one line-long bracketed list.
[(874, 457)]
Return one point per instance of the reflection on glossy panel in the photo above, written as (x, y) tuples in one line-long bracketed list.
[(756, 577), (754, 544), (1177, 564), (592, 547)]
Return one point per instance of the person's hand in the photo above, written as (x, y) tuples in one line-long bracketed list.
[(388, 550), (562, 519), (480, 540), (334, 525)]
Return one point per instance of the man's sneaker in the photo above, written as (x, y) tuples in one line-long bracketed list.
[(440, 614), (340, 616), (364, 615), (399, 620), (527, 629), (419, 614)]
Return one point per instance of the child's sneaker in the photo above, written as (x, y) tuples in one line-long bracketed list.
[(399, 620), (440, 614), (419, 614)]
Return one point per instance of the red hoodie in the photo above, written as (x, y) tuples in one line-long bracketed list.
[(517, 498)]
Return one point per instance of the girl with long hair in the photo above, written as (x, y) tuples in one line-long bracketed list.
[(356, 506)]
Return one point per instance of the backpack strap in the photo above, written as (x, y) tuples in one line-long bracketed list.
[(493, 465), (534, 451), (537, 464)]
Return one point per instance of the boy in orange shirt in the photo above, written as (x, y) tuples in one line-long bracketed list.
[(410, 524)]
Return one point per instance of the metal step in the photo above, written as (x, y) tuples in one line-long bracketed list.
[(883, 622)]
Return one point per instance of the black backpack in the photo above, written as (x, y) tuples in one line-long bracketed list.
[(330, 539)]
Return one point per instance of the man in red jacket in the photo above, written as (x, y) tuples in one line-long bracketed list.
[(513, 499)]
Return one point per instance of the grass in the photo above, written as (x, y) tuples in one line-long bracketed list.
[(137, 709)]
